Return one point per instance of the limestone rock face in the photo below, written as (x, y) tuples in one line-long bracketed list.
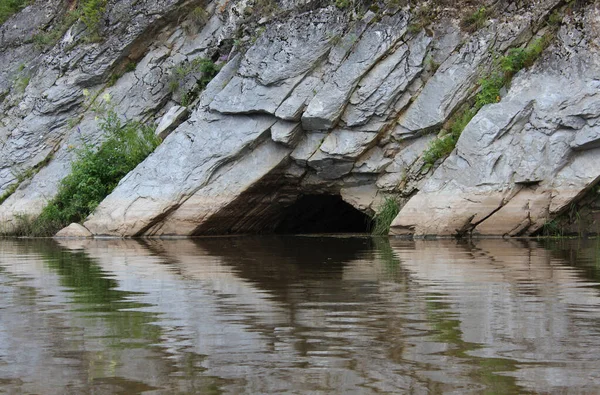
[(310, 100), (523, 160)]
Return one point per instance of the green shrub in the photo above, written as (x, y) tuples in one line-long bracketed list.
[(384, 216), (514, 60), (10, 7), (94, 174)]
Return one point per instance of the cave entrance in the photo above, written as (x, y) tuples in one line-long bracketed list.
[(323, 214)]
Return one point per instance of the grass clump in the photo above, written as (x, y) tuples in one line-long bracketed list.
[(384, 216), (476, 20), (443, 146), (95, 174), (552, 229), (489, 92), (10, 7)]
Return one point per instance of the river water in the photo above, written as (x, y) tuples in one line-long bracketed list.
[(316, 314)]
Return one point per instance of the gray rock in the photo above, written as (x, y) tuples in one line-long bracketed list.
[(586, 138), (362, 197), (221, 80), (74, 231), (373, 161), (448, 87), (288, 50), (246, 95), (173, 118), (325, 109), (307, 147), (220, 193), (286, 133), (381, 87), (291, 109), (328, 167), (348, 144), (518, 143)]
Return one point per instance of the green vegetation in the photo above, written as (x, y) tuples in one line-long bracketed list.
[(384, 217), (95, 173), (423, 16), (49, 38), (207, 69), (88, 11), (10, 7), (443, 146), (22, 83), (552, 229), (476, 20), (489, 92), (91, 15), (342, 4)]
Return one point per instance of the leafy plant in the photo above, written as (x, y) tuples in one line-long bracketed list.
[(384, 216), (94, 174), (89, 11)]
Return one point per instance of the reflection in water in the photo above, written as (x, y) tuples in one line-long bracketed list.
[(299, 314)]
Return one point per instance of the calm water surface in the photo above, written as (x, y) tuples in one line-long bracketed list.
[(299, 315)]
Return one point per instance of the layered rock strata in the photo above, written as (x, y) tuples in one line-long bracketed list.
[(322, 101)]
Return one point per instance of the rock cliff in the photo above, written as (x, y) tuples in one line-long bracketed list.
[(312, 98)]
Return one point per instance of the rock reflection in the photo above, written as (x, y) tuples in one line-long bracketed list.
[(298, 314)]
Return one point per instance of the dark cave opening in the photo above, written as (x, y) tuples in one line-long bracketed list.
[(322, 214)]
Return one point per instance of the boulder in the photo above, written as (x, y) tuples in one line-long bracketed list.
[(75, 231)]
